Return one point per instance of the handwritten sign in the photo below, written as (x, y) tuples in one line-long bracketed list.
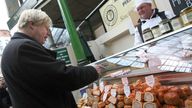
[(178, 5)]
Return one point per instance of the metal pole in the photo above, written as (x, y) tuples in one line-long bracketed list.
[(69, 24)]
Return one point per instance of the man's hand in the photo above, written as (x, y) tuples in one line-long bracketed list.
[(100, 69)]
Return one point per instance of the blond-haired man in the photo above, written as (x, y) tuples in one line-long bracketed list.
[(34, 77)]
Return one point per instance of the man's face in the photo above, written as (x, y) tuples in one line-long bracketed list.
[(145, 10), (41, 33)]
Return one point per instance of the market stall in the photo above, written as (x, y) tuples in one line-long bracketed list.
[(154, 74)]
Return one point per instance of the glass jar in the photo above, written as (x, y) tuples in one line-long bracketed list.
[(165, 26), (186, 16), (155, 30), (176, 22), (147, 34)]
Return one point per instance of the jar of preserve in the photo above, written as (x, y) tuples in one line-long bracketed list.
[(155, 30), (165, 26), (176, 22), (186, 16), (147, 34)]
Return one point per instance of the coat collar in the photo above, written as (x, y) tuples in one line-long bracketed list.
[(19, 35)]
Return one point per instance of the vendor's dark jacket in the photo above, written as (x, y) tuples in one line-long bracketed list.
[(36, 79)]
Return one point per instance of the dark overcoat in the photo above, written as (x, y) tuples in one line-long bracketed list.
[(35, 78)]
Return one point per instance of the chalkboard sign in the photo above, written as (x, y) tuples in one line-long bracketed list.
[(178, 5)]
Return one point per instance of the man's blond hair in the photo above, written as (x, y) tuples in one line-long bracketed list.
[(37, 17)]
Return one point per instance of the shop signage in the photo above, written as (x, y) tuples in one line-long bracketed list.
[(62, 54), (28, 4), (178, 5), (115, 11)]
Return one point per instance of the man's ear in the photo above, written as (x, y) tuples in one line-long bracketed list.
[(31, 25)]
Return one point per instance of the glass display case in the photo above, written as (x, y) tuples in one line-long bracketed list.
[(169, 53), (155, 74)]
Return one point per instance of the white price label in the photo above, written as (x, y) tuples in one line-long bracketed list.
[(150, 80), (94, 86), (127, 90), (85, 95), (113, 92), (104, 96), (101, 86), (107, 88), (125, 81)]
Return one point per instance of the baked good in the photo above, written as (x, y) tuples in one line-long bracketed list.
[(149, 105), (171, 98)]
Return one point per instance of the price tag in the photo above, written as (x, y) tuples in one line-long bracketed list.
[(85, 95), (125, 81), (94, 86), (107, 88), (104, 96), (88, 91), (101, 86), (127, 90), (113, 92), (150, 80)]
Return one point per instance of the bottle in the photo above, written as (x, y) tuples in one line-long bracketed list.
[(147, 34), (165, 26), (186, 16), (176, 22), (155, 30)]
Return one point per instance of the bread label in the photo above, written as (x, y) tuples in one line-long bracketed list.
[(125, 81), (127, 90), (101, 86), (107, 88), (94, 86), (113, 92), (104, 96), (150, 80), (85, 95)]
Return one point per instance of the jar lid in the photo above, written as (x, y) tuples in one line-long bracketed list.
[(185, 9), (155, 27), (164, 21), (146, 30)]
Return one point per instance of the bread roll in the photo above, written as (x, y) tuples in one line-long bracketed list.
[(186, 91), (110, 106), (128, 100), (120, 97), (171, 98), (107, 102), (112, 100), (169, 106), (139, 96), (149, 97), (188, 102), (160, 96), (163, 89), (96, 92), (149, 105), (120, 104), (137, 104), (101, 105), (120, 91), (114, 86), (127, 106)]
